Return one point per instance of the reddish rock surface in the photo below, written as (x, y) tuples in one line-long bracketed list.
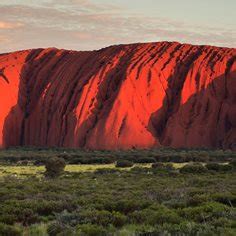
[(140, 95)]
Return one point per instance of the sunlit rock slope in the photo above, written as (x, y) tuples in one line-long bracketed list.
[(120, 97)]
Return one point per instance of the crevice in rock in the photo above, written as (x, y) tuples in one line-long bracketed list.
[(3, 75)]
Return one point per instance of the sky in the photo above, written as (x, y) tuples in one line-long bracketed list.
[(95, 24)]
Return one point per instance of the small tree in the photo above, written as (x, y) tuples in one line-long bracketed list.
[(54, 167)]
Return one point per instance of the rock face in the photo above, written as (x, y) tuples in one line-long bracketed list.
[(120, 97)]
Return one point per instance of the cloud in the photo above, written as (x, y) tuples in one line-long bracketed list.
[(4, 39), (10, 25), (85, 5)]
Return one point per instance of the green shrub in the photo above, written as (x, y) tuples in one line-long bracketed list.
[(226, 168), (213, 166), (195, 168), (28, 216), (55, 228), (90, 230), (92, 160), (8, 218), (102, 160), (187, 228), (54, 167), (144, 160), (197, 199), (155, 216), (219, 167), (124, 164), (179, 158), (8, 230), (102, 217), (37, 229), (126, 206), (201, 158), (13, 211), (233, 163), (225, 198), (68, 219), (45, 207), (118, 219), (205, 212)]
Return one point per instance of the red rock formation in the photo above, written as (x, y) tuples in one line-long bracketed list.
[(140, 95)]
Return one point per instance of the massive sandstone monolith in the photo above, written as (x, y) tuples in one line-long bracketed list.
[(126, 96)]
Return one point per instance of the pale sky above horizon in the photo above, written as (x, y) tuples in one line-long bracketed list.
[(94, 24)]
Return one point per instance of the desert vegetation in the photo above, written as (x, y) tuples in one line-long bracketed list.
[(124, 196), (39, 156)]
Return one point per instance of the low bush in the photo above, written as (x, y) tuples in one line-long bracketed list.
[(118, 219), (219, 167), (8, 230), (124, 163), (37, 229), (162, 166), (92, 216), (201, 158), (126, 206), (92, 160), (155, 216), (225, 198), (47, 207), (233, 164), (55, 229), (205, 212), (90, 230), (102, 160), (187, 228), (226, 168), (197, 199), (195, 168), (144, 160), (28, 217), (64, 223), (213, 166)]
